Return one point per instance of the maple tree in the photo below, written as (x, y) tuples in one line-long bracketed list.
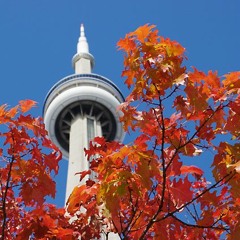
[(156, 187), (160, 185), (27, 160)]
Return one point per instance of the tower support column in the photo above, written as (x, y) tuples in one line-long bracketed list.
[(77, 161), (83, 129)]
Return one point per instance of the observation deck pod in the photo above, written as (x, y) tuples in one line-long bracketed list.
[(87, 95)]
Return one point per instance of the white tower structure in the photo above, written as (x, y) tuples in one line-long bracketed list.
[(80, 107)]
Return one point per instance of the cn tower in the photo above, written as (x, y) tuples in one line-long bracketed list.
[(80, 107)]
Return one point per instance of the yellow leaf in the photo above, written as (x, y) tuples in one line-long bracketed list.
[(236, 166)]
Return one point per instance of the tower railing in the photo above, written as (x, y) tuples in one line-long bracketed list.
[(72, 78)]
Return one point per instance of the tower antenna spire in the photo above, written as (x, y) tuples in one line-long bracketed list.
[(83, 61), (82, 33), (82, 46)]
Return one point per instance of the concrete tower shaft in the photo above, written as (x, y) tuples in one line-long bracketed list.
[(80, 107)]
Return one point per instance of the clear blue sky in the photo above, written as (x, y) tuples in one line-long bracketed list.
[(38, 39)]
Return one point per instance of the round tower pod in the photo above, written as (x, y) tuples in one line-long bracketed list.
[(86, 95)]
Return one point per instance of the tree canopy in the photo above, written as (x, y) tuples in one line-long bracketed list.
[(178, 179)]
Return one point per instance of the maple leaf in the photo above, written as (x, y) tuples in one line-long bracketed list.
[(130, 77), (3, 109), (180, 191), (232, 81), (81, 195), (235, 166), (12, 112), (83, 174), (181, 79), (26, 105), (192, 170), (143, 32), (126, 44)]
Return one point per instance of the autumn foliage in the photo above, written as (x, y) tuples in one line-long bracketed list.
[(27, 160), (186, 122), (178, 179)]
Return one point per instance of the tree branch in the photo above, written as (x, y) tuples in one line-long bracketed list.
[(201, 226), (162, 127), (4, 198), (230, 175)]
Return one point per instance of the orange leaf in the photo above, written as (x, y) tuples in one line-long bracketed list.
[(3, 109), (26, 105), (126, 44), (192, 170), (232, 80), (12, 112), (73, 200), (143, 32), (129, 74)]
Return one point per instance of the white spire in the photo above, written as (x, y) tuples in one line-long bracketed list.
[(83, 61), (82, 46)]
